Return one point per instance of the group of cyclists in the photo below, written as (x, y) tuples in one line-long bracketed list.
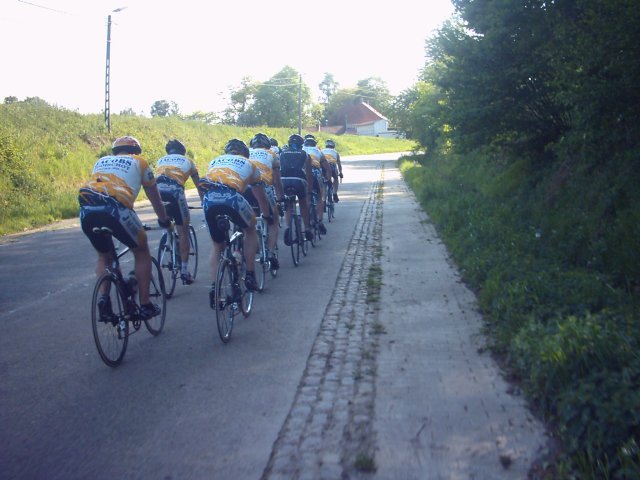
[(242, 182)]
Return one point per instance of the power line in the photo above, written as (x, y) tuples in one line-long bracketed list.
[(44, 7)]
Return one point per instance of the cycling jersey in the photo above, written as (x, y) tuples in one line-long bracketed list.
[(119, 177), (292, 163), (175, 168), (331, 155), (266, 161), (234, 171), (315, 154)]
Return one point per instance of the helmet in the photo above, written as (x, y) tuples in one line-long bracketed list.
[(126, 144), (236, 147), (273, 141), (310, 141), (330, 144), (295, 142), (175, 146), (260, 140)]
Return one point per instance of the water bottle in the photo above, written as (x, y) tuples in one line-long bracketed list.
[(132, 283)]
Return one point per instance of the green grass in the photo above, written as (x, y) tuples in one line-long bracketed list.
[(47, 152)]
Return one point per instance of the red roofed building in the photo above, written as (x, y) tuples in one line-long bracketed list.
[(361, 119)]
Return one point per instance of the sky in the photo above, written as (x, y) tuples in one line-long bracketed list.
[(192, 52)]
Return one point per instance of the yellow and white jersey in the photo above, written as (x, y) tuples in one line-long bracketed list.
[(235, 171), (176, 167), (266, 161), (315, 154), (331, 155), (121, 177)]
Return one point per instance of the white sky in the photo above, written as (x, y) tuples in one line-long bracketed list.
[(193, 51)]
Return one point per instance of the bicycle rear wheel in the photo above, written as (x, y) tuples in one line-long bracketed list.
[(274, 272), (157, 296), (246, 296), (193, 252), (109, 325), (167, 259), (294, 229), (262, 262), (224, 296)]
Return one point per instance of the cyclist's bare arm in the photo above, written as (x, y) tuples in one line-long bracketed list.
[(156, 202), (196, 181), (277, 183)]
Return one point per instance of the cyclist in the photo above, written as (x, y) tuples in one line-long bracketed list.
[(172, 171), (268, 162), (295, 170), (274, 146), (333, 157), (106, 200), (226, 180), (319, 165)]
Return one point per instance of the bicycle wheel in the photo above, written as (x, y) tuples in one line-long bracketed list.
[(262, 262), (294, 228), (157, 296), (225, 304), (193, 252), (110, 327), (246, 296), (166, 259), (329, 204), (274, 272)]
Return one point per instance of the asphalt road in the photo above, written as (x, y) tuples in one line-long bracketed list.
[(182, 405)]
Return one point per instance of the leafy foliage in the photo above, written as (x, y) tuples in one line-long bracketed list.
[(528, 112)]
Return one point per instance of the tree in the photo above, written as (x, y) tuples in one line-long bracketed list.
[(240, 100), (273, 103), (164, 108), (128, 112), (10, 99), (328, 87), (209, 118)]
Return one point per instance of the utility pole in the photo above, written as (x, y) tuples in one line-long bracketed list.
[(107, 100), (300, 105), (107, 75)]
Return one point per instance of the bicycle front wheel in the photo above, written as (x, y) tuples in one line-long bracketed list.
[(224, 300), (157, 295), (167, 260), (193, 252), (108, 321)]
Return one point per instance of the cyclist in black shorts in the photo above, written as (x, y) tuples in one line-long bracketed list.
[(173, 170), (226, 180), (106, 200), (295, 170)]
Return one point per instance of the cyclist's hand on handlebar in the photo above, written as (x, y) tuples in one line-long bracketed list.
[(166, 223)]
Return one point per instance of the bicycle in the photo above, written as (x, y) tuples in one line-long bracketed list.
[(329, 205), (169, 256), (263, 255), (313, 218), (231, 295), (110, 319), (294, 226)]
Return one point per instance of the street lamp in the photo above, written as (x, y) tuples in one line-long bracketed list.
[(107, 99)]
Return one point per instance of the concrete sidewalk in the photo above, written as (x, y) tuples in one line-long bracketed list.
[(442, 410)]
